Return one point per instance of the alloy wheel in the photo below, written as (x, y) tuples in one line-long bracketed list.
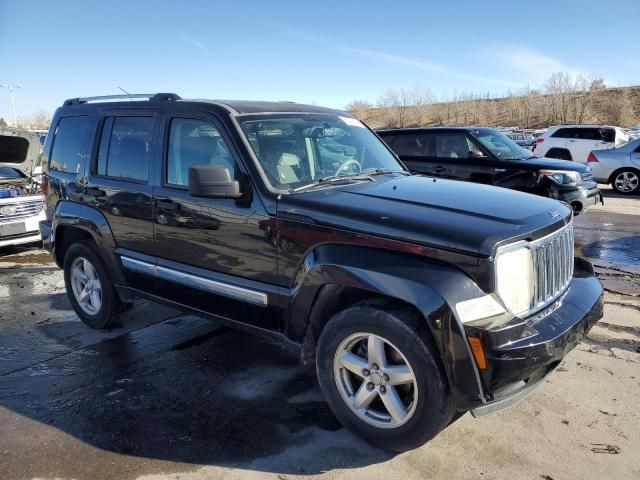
[(375, 380), (627, 181), (86, 286)]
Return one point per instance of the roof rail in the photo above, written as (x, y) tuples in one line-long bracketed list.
[(152, 97)]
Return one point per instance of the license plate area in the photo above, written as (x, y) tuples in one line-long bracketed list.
[(12, 229)]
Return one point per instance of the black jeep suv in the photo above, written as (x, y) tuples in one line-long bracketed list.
[(485, 155), (415, 297)]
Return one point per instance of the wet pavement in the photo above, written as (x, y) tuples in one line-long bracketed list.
[(174, 396)]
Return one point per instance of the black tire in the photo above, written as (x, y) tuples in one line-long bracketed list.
[(635, 174), (112, 310), (559, 153), (402, 327)]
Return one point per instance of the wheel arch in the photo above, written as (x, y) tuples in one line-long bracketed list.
[(336, 277), (621, 169), (73, 222), (552, 150)]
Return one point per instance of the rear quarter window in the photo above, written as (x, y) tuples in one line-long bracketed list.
[(71, 144)]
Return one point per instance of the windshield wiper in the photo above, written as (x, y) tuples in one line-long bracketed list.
[(383, 171), (334, 179)]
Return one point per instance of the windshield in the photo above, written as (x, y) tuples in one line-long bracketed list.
[(501, 145), (300, 149)]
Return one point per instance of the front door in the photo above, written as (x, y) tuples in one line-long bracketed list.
[(213, 254), (458, 157)]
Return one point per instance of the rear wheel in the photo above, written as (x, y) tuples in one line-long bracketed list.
[(381, 377), (626, 182), (90, 290)]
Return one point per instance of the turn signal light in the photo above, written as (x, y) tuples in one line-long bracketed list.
[(591, 157), (478, 352), (539, 140)]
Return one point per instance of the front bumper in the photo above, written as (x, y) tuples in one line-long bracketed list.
[(21, 230), (582, 197), (521, 355)]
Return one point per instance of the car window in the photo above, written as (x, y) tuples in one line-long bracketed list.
[(125, 146), (295, 150), (453, 145), (70, 144), (195, 142), (564, 133), (389, 139), (417, 145), (587, 134)]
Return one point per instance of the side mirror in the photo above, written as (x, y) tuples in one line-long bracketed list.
[(212, 181), (476, 154)]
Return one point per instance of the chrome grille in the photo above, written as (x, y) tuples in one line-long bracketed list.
[(17, 211), (552, 265)]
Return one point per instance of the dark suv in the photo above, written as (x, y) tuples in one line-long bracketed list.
[(414, 298), (485, 155)]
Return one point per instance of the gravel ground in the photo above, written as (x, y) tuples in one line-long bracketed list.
[(170, 396)]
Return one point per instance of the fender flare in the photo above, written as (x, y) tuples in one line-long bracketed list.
[(430, 286), (69, 214)]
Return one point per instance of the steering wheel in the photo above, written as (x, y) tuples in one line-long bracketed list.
[(347, 164)]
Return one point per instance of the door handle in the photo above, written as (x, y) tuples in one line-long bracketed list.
[(500, 170), (439, 169), (167, 205)]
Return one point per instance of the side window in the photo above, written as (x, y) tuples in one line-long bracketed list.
[(415, 145), (195, 142), (125, 146), (588, 134), (389, 140), (563, 133), (453, 145), (70, 144)]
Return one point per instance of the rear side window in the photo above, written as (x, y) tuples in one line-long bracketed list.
[(563, 133), (415, 145), (70, 144), (588, 134), (125, 147)]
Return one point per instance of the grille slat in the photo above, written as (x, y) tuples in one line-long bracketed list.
[(553, 266), (19, 210)]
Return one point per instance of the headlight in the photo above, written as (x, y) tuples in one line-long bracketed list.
[(514, 277), (562, 177)]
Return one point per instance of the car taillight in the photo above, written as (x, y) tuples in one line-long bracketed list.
[(591, 157), (539, 140)]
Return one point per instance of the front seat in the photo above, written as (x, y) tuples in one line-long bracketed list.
[(285, 168)]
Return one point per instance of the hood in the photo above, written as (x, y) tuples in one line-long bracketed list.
[(556, 164), (19, 149), (449, 214)]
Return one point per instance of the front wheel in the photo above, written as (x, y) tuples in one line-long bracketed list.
[(381, 376), (626, 182)]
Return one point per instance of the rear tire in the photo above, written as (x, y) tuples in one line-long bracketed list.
[(90, 289), (364, 395), (626, 181)]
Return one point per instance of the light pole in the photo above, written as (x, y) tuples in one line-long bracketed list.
[(13, 103)]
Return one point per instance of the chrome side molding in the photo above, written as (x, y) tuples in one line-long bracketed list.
[(195, 281)]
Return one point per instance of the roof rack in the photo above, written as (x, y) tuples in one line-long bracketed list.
[(151, 97)]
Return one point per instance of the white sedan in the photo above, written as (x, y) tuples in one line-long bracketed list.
[(618, 166)]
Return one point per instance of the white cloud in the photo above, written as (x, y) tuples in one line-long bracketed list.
[(421, 64), (193, 42), (536, 65)]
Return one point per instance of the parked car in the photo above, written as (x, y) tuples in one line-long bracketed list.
[(524, 140), (21, 205), (414, 298), (485, 155), (574, 142), (619, 167)]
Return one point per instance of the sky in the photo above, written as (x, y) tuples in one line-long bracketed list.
[(327, 53)]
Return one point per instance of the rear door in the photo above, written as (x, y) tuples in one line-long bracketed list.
[(417, 152), (213, 254), (585, 140), (119, 186)]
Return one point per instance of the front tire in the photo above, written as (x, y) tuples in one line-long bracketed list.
[(381, 376), (626, 182), (90, 289)]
